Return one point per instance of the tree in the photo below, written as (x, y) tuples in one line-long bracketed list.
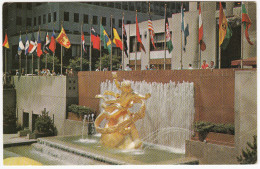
[(50, 62), (75, 64), (105, 62), (249, 156)]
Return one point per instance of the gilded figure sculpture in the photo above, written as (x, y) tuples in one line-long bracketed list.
[(120, 131)]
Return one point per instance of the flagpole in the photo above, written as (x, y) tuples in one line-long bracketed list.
[(81, 47), (100, 56), (149, 57), (164, 59), (38, 56), (181, 33), (242, 38), (129, 27), (61, 55), (20, 61), (123, 48), (111, 57), (46, 54), (199, 59), (54, 51), (219, 54), (135, 43), (90, 48)]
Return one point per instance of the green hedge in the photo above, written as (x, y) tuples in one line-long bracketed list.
[(206, 127), (80, 110)]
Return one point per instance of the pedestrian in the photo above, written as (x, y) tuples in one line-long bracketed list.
[(212, 66), (204, 65), (128, 68), (97, 69), (120, 68), (190, 66), (17, 73)]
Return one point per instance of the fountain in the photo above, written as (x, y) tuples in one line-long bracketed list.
[(159, 138)]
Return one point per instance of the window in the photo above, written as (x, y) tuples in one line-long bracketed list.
[(76, 17), (85, 19), (120, 23), (39, 20), (28, 21), (104, 21), (95, 20), (113, 21), (118, 5), (29, 6), (111, 4), (237, 4), (49, 17), (44, 19), (34, 21), (19, 5), (125, 5), (54, 17), (128, 22), (133, 45), (66, 16), (18, 20)]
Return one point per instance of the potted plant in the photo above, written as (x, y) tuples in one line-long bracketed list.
[(77, 112), (203, 128)]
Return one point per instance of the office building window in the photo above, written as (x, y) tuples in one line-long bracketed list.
[(104, 21), (34, 21), (113, 21), (111, 4), (39, 20), (128, 22), (118, 5), (44, 19), (28, 21), (29, 6), (120, 23), (66, 16), (54, 17), (18, 20), (76, 17), (125, 6), (19, 5), (85, 19), (95, 20), (49, 17)]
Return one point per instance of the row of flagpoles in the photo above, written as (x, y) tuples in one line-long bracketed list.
[(49, 46)]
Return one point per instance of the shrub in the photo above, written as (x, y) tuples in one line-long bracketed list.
[(249, 156), (80, 110), (9, 120), (44, 124), (205, 127)]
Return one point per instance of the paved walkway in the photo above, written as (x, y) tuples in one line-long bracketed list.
[(14, 139)]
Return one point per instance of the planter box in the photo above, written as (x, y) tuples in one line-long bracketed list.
[(217, 138), (73, 116)]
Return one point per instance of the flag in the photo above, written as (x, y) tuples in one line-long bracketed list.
[(201, 42), (168, 36), (95, 39), (6, 44), (138, 35), (52, 45), (125, 40), (116, 39), (227, 38), (151, 31), (26, 45), (46, 44), (39, 46), (83, 42), (20, 46), (247, 23), (184, 29), (222, 24), (63, 39), (106, 40), (33, 44)]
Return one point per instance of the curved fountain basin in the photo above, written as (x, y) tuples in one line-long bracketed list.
[(90, 147)]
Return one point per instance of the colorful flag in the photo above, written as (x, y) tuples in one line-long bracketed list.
[(125, 40), (117, 39), (106, 40), (138, 35), (201, 42), (26, 45), (225, 31), (20, 46), (33, 44), (63, 39), (83, 42), (39, 46), (247, 23), (95, 39), (52, 45), (168, 36), (151, 30), (184, 29), (46, 44), (6, 44)]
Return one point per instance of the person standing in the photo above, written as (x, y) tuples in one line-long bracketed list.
[(128, 68), (204, 65), (212, 66), (190, 66)]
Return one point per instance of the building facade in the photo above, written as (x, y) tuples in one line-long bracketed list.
[(210, 14)]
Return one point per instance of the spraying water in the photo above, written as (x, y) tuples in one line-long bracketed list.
[(83, 125), (169, 112)]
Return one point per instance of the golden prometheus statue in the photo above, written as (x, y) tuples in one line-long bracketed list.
[(120, 131)]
